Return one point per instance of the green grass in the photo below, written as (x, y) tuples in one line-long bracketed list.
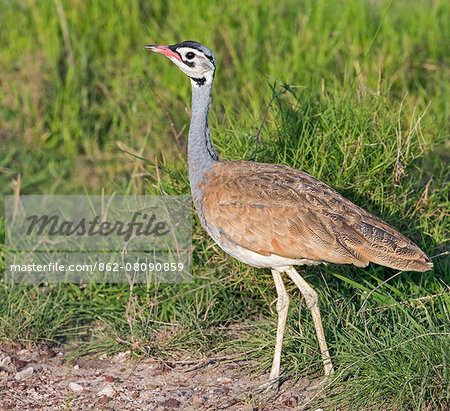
[(368, 114)]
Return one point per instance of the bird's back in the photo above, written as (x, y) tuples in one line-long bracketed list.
[(277, 210)]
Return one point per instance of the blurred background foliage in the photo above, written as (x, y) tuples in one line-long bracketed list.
[(76, 80), (85, 109)]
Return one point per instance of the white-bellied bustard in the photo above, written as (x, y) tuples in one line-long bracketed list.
[(275, 216)]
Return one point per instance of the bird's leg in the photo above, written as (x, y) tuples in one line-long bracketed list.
[(282, 310), (312, 301)]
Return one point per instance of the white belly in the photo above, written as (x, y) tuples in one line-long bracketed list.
[(255, 259)]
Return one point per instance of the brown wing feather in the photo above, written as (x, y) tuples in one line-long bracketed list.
[(275, 209)]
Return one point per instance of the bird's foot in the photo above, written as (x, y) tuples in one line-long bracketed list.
[(272, 385)]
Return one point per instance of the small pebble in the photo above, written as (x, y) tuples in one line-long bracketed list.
[(23, 352), (25, 373), (107, 390), (74, 387), (224, 380), (122, 355), (5, 361)]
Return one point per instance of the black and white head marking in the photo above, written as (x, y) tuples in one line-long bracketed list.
[(194, 59)]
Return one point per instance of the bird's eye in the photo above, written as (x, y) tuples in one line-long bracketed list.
[(190, 55)]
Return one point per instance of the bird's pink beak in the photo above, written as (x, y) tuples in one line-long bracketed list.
[(163, 50)]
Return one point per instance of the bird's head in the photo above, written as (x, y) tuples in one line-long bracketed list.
[(193, 59)]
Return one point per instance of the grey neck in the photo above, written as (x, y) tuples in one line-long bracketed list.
[(201, 153)]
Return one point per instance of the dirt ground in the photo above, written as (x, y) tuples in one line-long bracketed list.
[(46, 379)]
